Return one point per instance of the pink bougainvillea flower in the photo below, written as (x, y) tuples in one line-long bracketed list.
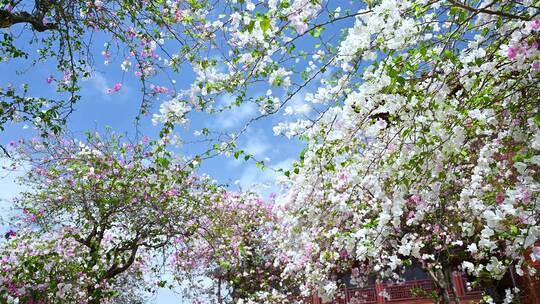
[(114, 89), (535, 24), (512, 52), (499, 197), (50, 79)]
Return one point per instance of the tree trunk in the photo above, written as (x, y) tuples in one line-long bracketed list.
[(8, 19), (219, 291), (438, 277), (491, 290)]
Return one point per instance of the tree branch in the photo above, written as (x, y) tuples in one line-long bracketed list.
[(5, 151), (8, 19), (115, 270), (487, 11)]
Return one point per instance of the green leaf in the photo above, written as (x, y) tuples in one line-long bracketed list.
[(238, 153), (163, 162), (291, 48), (264, 22), (316, 32), (250, 26), (242, 250), (225, 264), (514, 230), (537, 119)]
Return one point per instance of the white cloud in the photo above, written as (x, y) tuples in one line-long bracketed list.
[(285, 164), (236, 115), (257, 146), (8, 182), (166, 296), (298, 105), (256, 179), (98, 83), (263, 182)]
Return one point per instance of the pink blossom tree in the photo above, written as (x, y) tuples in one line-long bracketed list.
[(96, 217)]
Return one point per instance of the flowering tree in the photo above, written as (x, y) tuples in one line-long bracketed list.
[(53, 267), (95, 217), (431, 156), (422, 129), (421, 121), (235, 247)]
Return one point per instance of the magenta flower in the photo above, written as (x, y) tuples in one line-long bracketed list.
[(50, 79), (114, 89), (416, 198), (536, 66), (535, 24), (10, 234), (131, 32), (159, 89), (178, 15), (499, 197), (106, 55), (512, 52)]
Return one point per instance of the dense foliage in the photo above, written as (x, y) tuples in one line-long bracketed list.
[(235, 246), (96, 214)]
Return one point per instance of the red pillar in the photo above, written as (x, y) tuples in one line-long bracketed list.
[(532, 283), (457, 280), (379, 289)]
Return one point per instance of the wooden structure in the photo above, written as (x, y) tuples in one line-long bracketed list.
[(399, 293), (403, 293)]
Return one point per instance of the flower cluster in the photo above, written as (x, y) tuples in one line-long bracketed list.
[(56, 268)]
